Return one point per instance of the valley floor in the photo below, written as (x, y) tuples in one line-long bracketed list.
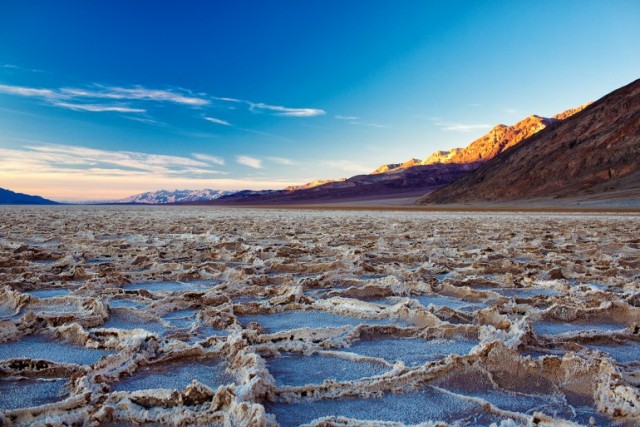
[(182, 315)]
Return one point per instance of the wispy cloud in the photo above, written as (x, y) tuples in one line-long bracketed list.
[(448, 126), (288, 112), (64, 172), (251, 162), (69, 158), (217, 121), (18, 68), (281, 160), (209, 159), (28, 91), (88, 100), (180, 96), (346, 166), (354, 120), (261, 107), (96, 108)]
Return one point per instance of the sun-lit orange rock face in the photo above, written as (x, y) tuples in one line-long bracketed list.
[(590, 156), (312, 184), (498, 139), (494, 142)]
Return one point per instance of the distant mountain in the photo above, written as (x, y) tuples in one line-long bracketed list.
[(494, 142), (409, 182), (593, 154), (8, 197), (408, 179), (312, 184), (178, 196)]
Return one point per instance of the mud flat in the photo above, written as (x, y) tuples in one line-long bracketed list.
[(204, 316)]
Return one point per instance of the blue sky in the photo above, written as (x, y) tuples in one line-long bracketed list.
[(104, 99)]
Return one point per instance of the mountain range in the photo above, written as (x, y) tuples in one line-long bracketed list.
[(169, 197), (412, 178), (8, 197), (591, 156)]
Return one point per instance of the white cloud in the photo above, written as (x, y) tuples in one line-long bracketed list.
[(349, 118), (464, 128), (217, 121), (448, 126), (286, 111), (76, 99), (281, 160), (96, 108), (209, 159), (84, 99), (18, 68), (75, 157), (347, 166), (27, 91), (136, 93), (252, 162), (276, 109), (74, 173)]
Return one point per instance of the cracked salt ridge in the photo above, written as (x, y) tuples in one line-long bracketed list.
[(172, 286), (25, 393), (48, 293), (181, 318), (547, 400), (297, 319), (40, 347), (525, 292), (454, 303), (412, 351), (126, 303), (413, 407), (291, 369), (545, 327), (621, 353), (6, 312), (248, 298), (64, 306), (124, 319), (96, 261), (176, 375)]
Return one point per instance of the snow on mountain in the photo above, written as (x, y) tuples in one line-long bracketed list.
[(178, 196)]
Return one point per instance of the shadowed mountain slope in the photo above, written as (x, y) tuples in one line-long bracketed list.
[(8, 197), (592, 153)]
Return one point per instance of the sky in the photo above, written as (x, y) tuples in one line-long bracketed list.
[(100, 100)]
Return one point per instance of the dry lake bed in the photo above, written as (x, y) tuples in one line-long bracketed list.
[(205, 316)]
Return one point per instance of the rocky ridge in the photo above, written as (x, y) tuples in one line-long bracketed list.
[(592, 153)]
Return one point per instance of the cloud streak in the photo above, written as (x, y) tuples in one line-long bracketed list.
[(286, 111), (28, 91), (209, 159), (346, 166), (93, 99), (448, 126), (97, 108), (251, 162), (136, 93), (60, 158), (281, 161), (278, 110), (218, 121), (89, 99)]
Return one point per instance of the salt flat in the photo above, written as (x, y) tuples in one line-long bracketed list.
[(318, 316)]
